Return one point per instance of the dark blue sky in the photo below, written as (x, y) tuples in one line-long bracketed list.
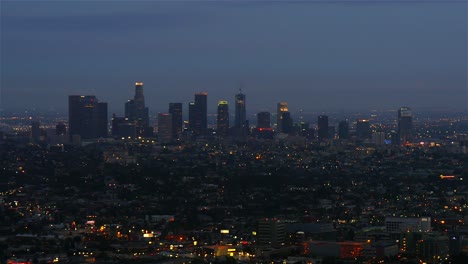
[(317, 55)]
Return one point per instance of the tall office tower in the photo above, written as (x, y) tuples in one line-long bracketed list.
[(405, 125), (343, 130), (87, 117), (223, 118), (240, 116), (263, 120), (102, 122), (198, 115), (175, 109), (241, 126), (322, 127), (137, 112), (281, 107), (192, 113), (35, 131), (271, 231), (165, 127), (363, 130), (286, 123)]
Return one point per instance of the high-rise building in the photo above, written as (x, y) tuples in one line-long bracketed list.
[(405, 125), (363, 130), (223, 118), (175, 109), (165, 127), (263, 120), (281, 107), (87, 117), (198, 116), (137, 112), (240, 116), (271, 231), (343, 130), (241, 126), (322, 127), (192, 113), (286, 123)]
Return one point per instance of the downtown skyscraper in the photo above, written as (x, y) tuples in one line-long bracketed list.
[(241, 125), (198, 115), (222, 122), (87, 117), (137, 112), (405, 125), (175, 109), (281, 108)]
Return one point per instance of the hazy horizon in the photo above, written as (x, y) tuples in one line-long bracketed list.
[(318, 55)]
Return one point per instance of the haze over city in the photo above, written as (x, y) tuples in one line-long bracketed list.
[(316, 55)]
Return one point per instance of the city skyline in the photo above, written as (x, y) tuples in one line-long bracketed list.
[(316, 56)]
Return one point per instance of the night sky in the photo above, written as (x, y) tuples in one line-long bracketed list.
[(316, 55)]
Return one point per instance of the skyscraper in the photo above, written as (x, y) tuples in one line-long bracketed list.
[(405, 125), (222, 122), (263, 120), (240, 121), (198, 115), (281, 107), (87, 117), (137, 112), (343, 130), (165, 127), (286, 123), (240, 117), (192, 113), (363, 130), (175, 109), (322, 127)]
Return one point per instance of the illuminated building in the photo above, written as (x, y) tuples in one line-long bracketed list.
[(271, 231), (175, 109), (264, 130), (198, 122), (433, 248), (165, 127), (281, 108), (322, 127), (401, 224), (343, 130), (87, 117), (263, 120), (405, 125), (363, 130), (137, 112), (222, 122)]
